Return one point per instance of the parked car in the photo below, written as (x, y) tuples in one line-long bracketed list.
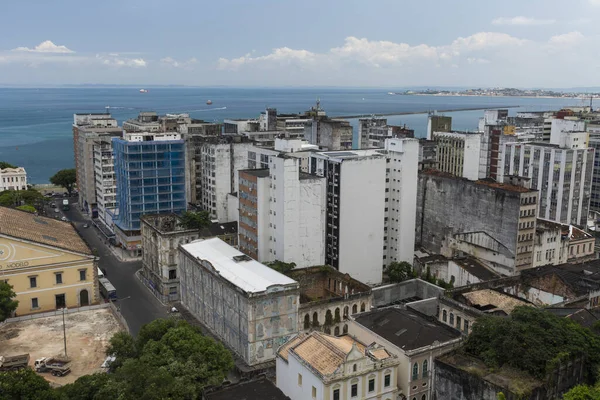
[(64, 219), (86, 226), (56, 210)]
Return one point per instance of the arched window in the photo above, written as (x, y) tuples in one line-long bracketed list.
[(327, 330), (328, 318), (336, 331), (415, 374), (259, 330), (337, 317), (315, 319), (354, 309), (424, 397), (362, 307), (260, 352), (346, 310), (345, 330), (452, 319), (444, 316), (425, 370), (306, 321)]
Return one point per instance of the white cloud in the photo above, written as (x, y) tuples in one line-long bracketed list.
[(594, 2), (46, 47), (376, 53), (473, 60), (171, 62), (114, 60), (566, 39), (522, 21)]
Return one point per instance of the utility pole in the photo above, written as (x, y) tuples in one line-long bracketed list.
[(64, 331)]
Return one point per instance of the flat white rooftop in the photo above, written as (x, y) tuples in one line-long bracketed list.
[(245, 273)]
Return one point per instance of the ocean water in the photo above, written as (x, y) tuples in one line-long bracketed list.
[(36, 133)]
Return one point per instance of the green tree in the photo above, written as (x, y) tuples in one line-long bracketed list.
[(583, 392), (86, 387), (7, 303), (122, 346), (281, 266), (28, 208), (531, 340), (195, 220), (4, 164), (25, 384), (399, 271), (65, 178)]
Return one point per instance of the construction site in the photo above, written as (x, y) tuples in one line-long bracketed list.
[(87, 336)]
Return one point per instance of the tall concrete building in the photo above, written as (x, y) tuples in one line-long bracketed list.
[(594, 142), (371, 203), (373, 132), (460, 153), (563, 176), (328, 133), (87, 128), (493, 221), (438, 123), (150, 175), (282, 213), (106, 184)]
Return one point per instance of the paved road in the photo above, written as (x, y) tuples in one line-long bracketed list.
[(138, 305)]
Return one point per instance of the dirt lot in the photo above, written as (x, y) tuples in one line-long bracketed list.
[(88, 334)]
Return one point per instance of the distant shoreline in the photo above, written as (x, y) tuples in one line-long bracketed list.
[(485, 95), (355, 116)]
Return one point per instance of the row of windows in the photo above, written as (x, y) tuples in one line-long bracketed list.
[(353, 388), (459, 323), (58, 277)]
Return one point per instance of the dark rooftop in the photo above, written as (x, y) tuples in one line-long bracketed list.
[(217, 229), (260, 389), (476, 268), (579, 284), (259, 173), (580, 316), (406, 329), (588, 270)]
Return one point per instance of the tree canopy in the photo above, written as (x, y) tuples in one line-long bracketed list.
[(531, 340), (281, 266), (65, 178), (25, 384), (195, 220), (400, 271), (4, 164), (13, 198), (583, 392), (8, 304), (27, 208)]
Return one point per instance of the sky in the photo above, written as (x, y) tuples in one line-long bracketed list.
[(352, 43)]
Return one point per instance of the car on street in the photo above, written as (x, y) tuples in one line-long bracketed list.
[(86, 226), (64, 219), (56, 210), (52, 204)]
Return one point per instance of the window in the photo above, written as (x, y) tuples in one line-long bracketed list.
[(466, 326), (371, 384), (354, 368), (458, 322), (32, 281), (314, 392), (82, 274), (444, 316), (34, 303), (354, 390), (452, 319), (387, 380), (59, 278), (425, 370), (424, 397), (172, 274), (299, 379), (415, 374), (336, 394)]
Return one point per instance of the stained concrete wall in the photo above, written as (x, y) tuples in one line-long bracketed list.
[(386, 295), (448, 205)]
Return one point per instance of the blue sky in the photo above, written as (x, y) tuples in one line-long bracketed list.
[(390, 43)]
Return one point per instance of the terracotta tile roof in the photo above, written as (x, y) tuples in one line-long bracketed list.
[(48, 231), (325, 353)]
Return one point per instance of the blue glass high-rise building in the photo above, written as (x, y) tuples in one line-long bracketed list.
[(150, 178)]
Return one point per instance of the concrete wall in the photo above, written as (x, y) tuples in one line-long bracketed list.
[(287, 379), (361, 218), (446, 206), (388, 294)]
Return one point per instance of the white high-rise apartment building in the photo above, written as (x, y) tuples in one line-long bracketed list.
[(371, 207), (461, 153), (106, 185), (282, 213), (563, 176)]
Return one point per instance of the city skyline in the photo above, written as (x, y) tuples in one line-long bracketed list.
[(280, 44)]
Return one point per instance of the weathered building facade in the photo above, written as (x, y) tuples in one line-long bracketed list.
[(252, 308)]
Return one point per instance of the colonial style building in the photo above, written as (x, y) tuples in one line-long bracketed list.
[(252, 308), (13, 179), (319, 366), (48, 264)]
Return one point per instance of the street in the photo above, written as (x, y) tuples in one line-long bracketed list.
[(138, 306)]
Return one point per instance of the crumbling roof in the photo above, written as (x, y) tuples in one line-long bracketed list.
[(581, 316), (493, 300), (476, 268)]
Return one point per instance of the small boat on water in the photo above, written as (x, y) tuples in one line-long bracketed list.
[(209, 102), (143, 90)]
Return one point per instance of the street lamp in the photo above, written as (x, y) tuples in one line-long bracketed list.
[(64, 330)]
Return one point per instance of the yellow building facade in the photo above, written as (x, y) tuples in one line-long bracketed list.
[(47, 263)]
